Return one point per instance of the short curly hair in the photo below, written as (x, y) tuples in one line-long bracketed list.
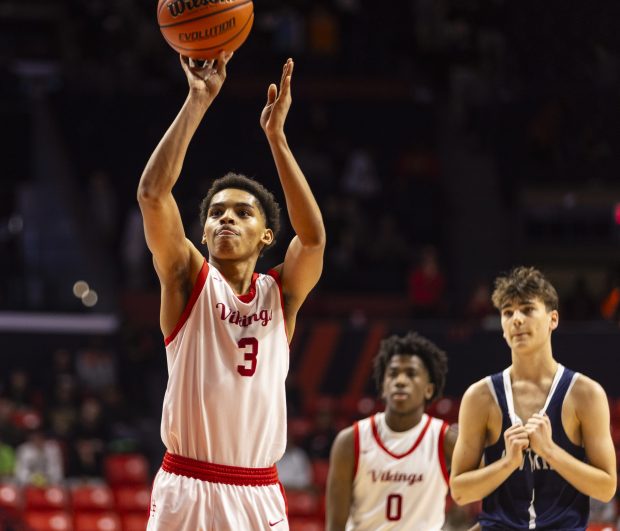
[(412, 344), (524, 283), (269, 207)]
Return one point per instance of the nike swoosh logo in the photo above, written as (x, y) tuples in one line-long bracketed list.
[(271, 524)]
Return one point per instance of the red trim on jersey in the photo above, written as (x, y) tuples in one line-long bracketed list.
[(375, 432), (356, 448), (276, 276), (285, 498), (229, 475), (442, 453), (249, 296), (198, 285)]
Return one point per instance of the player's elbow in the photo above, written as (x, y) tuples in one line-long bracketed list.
[(314, 239), (458, 492), (606, 491)]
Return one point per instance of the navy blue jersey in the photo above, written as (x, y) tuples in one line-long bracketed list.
[(534, 496)]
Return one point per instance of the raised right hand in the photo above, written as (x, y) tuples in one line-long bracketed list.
[(516, 441), (206, 81)]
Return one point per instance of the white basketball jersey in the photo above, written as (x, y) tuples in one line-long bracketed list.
[(400, 478), (228, 358)]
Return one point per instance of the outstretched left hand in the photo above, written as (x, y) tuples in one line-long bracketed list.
[(278, 103), (539, 431)]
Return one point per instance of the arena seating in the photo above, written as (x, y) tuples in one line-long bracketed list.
[(120, 503)]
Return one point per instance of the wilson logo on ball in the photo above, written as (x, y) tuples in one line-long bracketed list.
[(177, 7)]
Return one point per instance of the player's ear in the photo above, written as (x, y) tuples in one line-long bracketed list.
[(429, 391), (555, 319), (267, 238), (204, 239)]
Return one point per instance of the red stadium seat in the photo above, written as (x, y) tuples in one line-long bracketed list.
[(48, 521), (11, 499), (606, 526), (302, 503), (89, 521), (133, 498), (49, 498), (92, 498), (135, 521), (320, 469), (126, 469), (306, 524)]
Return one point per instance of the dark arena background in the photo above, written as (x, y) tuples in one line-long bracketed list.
[(445, 140)]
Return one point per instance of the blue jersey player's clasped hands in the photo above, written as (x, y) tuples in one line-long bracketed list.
[(534, 441)]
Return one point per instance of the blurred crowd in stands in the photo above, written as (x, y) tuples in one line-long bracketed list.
[(382, 90)]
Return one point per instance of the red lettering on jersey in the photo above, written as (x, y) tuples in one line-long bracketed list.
[(234, 317), (396, 477)]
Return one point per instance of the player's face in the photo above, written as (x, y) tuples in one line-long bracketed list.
[(235, 226), (527, 324), (406, 384)]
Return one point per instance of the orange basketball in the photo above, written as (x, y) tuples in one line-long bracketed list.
[(200, 29)]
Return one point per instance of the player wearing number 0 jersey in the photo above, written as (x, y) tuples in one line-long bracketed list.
[(390, 471), (226, 327), (543, 430)]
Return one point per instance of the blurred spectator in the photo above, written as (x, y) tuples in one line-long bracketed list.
[(95, 368), (7, 461), (10, 433), (38, 461), (323, 31), (134, 252), (479, 304), (89, 442), (610, 305), (360, 177), (389, 252), (427, 286), (579, 304), (19, 390), (63, 412), (289, 36), (319, 442), (103, 207), (295, 469)]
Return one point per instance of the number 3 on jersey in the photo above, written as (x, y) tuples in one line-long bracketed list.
[(250, 348)]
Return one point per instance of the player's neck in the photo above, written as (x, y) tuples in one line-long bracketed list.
[(533, 366), (403, 422), (237, 273)]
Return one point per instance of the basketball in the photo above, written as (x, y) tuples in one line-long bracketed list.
[(200, 29)]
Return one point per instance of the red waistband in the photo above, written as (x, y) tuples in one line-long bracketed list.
[(229, 475)]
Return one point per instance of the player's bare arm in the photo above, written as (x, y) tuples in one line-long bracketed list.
[(449, 443), (587, 419), (176, 260), (340, 480), (479, 417), (303, 262)]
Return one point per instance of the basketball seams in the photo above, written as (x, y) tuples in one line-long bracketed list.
[(210, 14), (220, 45)]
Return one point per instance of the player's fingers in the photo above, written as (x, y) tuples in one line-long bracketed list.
[(285, 72), (272, 93), (184, 62), (517, 428), (222, 60)]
